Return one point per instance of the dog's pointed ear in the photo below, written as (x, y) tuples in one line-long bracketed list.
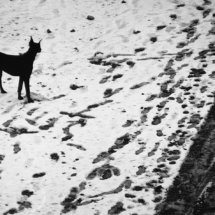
[(40, 41), (31, 40)]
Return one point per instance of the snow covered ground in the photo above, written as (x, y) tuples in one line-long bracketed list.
[(121, 87)]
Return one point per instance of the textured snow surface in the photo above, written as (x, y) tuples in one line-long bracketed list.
[(120, 90)]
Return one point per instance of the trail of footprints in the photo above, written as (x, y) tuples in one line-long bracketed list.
[(170, 90)]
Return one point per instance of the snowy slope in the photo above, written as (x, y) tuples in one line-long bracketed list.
[(118, 100)]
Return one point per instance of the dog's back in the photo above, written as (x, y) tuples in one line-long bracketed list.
[(12, 64)]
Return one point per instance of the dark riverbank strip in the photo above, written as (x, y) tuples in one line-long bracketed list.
[(193, 190)]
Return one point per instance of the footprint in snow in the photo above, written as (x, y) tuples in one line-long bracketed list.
[(109, 92)]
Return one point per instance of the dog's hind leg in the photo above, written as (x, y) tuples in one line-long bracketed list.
[(1, 88), (20, 88), (27, 89)]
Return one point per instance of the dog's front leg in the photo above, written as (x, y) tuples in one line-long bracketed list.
[(20, 88), (1, 87), (27, 89)]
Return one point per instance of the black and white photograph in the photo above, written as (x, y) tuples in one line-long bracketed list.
[(107, 107)]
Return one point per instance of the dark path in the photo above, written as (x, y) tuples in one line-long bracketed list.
[(193, 190)]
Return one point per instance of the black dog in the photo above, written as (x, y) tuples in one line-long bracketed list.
[(20, 65)]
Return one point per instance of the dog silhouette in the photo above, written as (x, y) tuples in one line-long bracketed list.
[(20, 65)]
